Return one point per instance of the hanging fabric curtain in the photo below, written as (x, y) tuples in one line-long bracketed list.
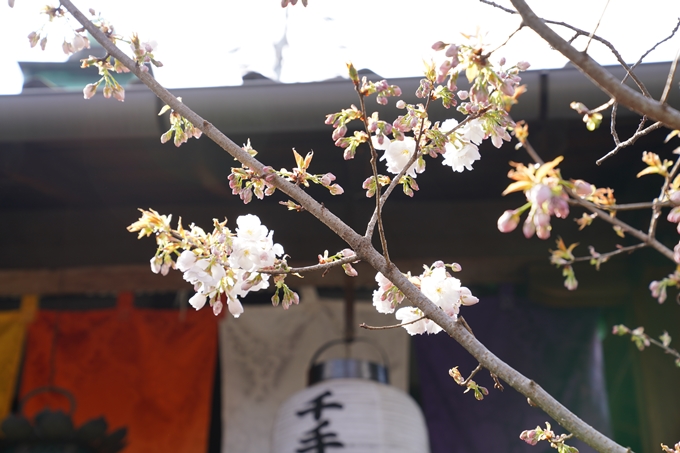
[(558, 348), (141, 368), (12, 334)]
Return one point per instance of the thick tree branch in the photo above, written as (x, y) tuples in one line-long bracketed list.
[(597, 74), (366, 252)]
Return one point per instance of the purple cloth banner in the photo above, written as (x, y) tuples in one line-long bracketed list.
[(557, 348)]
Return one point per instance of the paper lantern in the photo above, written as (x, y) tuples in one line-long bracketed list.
[(349, 407)]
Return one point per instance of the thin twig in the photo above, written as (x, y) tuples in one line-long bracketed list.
[(313, 268), (374, 167), (669, 80), (488, 54), (630, 141), (363, 325), (630, 206), (612, 126), (590, 38), (475, 371), (529, 148), (653, 243), (602, 257)]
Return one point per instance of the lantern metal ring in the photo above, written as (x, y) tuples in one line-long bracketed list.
[(347, 367)]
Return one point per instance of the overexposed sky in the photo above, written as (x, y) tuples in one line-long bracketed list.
[(214, 42)]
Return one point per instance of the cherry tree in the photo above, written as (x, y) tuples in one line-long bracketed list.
[(224, 265)]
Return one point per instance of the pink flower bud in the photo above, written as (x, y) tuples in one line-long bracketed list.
[(523, 65), (349, 270), (508, 221), (675, 197), (543, 232), (463, 95), (559, 207), (119, 93), (156, 264), (502, 61), (528, 228), (89, 90), (339, 132), (33, 38), (336, 189), (676, 253), (529, 437), (452, 51), (217, 307), (582, 188), (439, 45), (107, 91), (80, 42), (327, 179), (400, 105), (674, 215), (346, 253), (67, 47), (539, 194)]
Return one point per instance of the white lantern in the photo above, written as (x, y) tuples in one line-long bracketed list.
[(349, 407)]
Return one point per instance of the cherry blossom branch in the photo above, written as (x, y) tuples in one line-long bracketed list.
[(575, 199), (363, 325), (411, 161), (365, 251), (642, 340), (312, 268), (643, 237), (597, 74)]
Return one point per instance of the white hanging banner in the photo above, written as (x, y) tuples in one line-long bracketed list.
[(265, 354)]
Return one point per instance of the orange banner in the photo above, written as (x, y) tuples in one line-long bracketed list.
[(142, 368)]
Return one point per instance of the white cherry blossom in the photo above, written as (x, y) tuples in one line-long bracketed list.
[(397, 154)]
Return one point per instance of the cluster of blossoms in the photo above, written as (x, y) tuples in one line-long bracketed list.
[(437, 284), (345, 253), (222, 266), (414, 135), (533, 436), (667, 449), (142, 53), (478, 391), (181, 127), (544, 191), (245, 182)]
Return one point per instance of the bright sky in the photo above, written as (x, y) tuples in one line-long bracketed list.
[(214, 42)]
